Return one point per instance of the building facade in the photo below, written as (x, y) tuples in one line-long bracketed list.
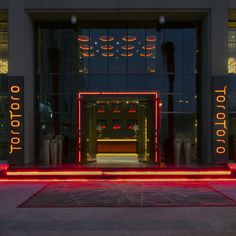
[(118, 81)]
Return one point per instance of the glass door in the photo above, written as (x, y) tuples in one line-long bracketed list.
[(118, 129)]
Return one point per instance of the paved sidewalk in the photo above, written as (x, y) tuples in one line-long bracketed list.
[(112, 220)]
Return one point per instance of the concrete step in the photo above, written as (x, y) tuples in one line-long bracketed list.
[(116, 174)]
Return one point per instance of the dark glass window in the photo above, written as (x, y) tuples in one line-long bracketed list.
[(4, 138), (117, 56), (232, 88)]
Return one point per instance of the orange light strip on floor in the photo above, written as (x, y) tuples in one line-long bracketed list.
[(99, 173), (167, 173), (117, 180), (53, 173), (117, 140)]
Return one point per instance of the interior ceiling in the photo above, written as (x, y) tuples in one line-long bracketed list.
[(3, 16), (117, 15), (232, 15)]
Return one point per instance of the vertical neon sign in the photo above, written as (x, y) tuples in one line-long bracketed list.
[(16, 120), (220, 122)]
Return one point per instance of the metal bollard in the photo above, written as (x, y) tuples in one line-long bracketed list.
[(54, 147), (177, 149), (46, 148), (187, 150), (60, 139)]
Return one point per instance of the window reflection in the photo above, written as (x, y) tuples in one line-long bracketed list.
[(3, 48), (4, 106), (116, 57), (232, 51)]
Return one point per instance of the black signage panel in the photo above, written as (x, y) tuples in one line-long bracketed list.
[(16, 120), (220, 120)]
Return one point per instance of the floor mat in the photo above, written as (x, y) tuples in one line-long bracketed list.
[(127, 194)]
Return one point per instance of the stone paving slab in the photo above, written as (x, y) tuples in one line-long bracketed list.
[(129, 194), (114, 221)]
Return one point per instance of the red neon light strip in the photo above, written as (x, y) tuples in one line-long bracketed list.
[(52, 173), (79, 126), (119, 180), (107, 173), (156, 128), (114, 93)]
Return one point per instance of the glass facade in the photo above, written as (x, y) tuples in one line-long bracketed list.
[(3, 91), (232, 89), (118, 57)]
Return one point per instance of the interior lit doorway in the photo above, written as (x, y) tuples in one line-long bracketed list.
[(118, 127)]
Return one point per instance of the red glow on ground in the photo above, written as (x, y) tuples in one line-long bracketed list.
[(30, 180), (4, 166)]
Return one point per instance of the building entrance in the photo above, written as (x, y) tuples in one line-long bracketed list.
[(118, 127)]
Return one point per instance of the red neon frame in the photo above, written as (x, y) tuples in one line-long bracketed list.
[(156, 98)]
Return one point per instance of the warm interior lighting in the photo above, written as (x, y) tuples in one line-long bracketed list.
[(146, 54), (149, 47), (232, 24), (83, 38), (100, 111), (129, 38), (115, 127), (106, 38), (155, 95), (128, 47), (132, 111), (3, 66), (86, 47), (107, 47), (117, 155), (232, 65), (115, 111), (117, 140), (107, 54), (87, 54), (151, 38), (124, 54)]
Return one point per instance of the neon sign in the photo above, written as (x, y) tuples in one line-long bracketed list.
[(220, 121), (16, 120), (15, 143)]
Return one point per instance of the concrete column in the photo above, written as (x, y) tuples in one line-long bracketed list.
[(21, 60), (219, 35), (17, 42), (219, 57), (29, 91), (213, 64), (205, 98)]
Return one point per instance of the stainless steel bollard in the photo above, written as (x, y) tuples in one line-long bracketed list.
[(177, 150), (46, 148), (60, 139), (54, 147), (46, 151), (187, 150)]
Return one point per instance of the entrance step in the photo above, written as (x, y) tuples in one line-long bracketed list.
[(117, 159), (119, 174)]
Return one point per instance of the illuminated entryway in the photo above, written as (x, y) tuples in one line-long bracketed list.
[(116, 127)]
